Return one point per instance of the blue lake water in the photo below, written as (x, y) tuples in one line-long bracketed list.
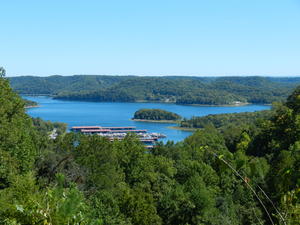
[(76, 113)]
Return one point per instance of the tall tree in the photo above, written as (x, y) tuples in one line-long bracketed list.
[(2, 72)]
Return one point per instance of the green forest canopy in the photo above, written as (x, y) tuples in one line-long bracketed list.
[(155, 114), (224, 119), (77, 179), (176, 89)]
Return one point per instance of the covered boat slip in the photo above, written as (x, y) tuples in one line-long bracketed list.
[(118, 133), (79, 128)]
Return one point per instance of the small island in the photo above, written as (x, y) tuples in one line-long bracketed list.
[(156, 115)]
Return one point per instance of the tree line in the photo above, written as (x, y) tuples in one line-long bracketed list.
[(180, 90), (225, 119), (238, 175)]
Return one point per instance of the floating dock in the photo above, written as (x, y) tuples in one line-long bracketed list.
[(118, 133)]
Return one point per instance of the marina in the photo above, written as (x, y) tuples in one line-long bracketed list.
[(118, 133), (115, 114)]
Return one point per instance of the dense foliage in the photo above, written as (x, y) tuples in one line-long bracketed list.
[(29, 103), (46, 127), (155, 114), (212, 177), (222, 120), (181, 90)]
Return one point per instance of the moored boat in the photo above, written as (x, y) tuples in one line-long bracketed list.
[(118, 133)]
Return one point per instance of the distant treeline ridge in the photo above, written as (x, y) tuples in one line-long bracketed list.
[(176, 89)]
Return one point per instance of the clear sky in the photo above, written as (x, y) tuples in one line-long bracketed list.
[(150, 37)]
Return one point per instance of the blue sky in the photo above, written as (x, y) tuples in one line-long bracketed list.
[(157, 37)]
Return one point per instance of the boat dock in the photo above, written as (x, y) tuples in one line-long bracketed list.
[(118, 133)]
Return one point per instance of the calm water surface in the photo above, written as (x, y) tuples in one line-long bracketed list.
[(76, 113)]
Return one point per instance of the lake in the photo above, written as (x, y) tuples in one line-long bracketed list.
[(76, 113)]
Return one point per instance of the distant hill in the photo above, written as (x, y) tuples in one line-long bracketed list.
[(177, 89)]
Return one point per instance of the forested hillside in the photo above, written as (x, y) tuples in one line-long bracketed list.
[(181, 90), (212, 177), (222, 120)]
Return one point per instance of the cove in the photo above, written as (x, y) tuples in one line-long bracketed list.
[(108, 114)]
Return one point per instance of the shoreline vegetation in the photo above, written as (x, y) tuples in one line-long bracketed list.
[(165, 102), (204, 91), (156, 121), (32, 106), (184, 128), (221, 121), (222, 105), (147, 101)]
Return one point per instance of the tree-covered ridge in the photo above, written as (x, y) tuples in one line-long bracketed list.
[(155, 114), (55, 84), (222, 120), (181, 90), (212, 177)]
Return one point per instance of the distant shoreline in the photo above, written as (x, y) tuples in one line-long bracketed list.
[(156, 121), (221, 105), (31, 106), (168, 121), (146, 101), (184, 128)]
